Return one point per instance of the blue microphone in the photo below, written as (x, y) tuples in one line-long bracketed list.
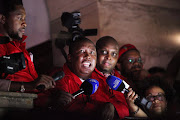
[(118, 84), (88, 87)]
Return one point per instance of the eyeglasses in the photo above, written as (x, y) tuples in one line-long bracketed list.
[(133, 60), (160, 97)]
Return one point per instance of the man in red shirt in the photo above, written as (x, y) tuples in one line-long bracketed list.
[(130, 64), (81, 63), (12, 26), (107, 55)]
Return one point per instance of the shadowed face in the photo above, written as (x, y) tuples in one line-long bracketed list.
[(131, 63), (15, 23), (107, 56), (83, 59), (157, 96)]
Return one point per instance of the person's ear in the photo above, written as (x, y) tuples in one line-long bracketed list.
[(2, 19)]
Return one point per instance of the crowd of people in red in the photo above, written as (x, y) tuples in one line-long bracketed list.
[(87, 60)]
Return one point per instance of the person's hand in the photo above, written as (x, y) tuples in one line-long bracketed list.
[(130, 97), (46, 81), (64, 98), (107, 112)]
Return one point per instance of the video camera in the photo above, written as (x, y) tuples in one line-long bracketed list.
[(71, 21), (12, 63)]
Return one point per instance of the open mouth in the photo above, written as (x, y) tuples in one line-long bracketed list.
[(86, 64), (22, 31)]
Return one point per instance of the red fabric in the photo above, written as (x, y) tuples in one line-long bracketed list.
[(126, 48), (112, 96), (25, 75), (82, 103)]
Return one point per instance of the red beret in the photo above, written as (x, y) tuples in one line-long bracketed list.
[(125, 48)]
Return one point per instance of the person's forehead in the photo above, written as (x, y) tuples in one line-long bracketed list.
[(154, 90), (109, 45), (132, 53), (85, 44), (19, 10)]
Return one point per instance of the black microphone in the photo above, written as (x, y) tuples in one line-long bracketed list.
[(117, 84), (88, 87), (57, 76)]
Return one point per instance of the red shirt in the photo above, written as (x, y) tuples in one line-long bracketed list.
[(114, 97), (25, 75), (84, 104)]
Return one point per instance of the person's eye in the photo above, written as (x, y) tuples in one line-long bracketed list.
[(93, 53), (150, 98), (139, 60), (114, 54), (104, 52), (130, 60), (19, 18), (82, 51)]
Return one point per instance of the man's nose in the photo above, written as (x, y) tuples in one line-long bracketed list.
[(87, 55), (108, 56), (24, 24)]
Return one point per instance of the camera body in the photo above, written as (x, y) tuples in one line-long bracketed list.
[(71, 21), (12, 63)]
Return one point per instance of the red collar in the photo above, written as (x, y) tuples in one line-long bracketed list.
[(68, 72), (23, 38)]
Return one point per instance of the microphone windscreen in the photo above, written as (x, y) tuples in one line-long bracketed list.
[(115, 83), (90, 86), (58, 75)]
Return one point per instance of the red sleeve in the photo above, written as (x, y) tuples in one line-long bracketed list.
[(120, 104), (3, 50), (63, 84)]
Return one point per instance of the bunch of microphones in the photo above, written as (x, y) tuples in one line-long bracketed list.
[(90, 86), (117, 84)]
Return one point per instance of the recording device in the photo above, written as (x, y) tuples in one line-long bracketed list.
[(57, 76), (117, 84), (12, 63), (71, 21), (88, 87)]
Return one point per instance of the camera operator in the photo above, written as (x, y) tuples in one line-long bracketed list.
[(12, 25)]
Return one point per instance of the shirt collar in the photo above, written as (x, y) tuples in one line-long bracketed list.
[(23, 37)]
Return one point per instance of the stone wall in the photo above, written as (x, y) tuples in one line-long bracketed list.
[(152, 26)]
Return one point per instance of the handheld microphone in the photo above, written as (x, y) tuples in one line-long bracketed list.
[(57, 76), (88, 87), (118, 84)]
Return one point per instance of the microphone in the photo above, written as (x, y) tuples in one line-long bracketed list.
[(88, 87), (57, 76), (118, 84)]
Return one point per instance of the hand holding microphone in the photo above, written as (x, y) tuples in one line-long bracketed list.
[(88, 87), (117, 84), (46, 82)]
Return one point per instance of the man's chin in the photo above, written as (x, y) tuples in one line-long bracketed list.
[(16, 37)]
